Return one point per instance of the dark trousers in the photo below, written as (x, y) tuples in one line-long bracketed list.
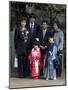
[(43, 53), (22, 65), (59, 69)]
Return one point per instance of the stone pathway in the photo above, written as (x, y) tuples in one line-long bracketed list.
[(18, 83)]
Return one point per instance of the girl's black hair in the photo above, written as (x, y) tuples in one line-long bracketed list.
[(51, 35)]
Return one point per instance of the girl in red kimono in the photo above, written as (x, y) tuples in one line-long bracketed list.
[(35, 59)]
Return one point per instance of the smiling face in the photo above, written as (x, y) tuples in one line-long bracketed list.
[(50, 40), (32, 20), (23, 23), (44, 25)]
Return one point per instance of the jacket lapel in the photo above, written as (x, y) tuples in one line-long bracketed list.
[(41, 34)]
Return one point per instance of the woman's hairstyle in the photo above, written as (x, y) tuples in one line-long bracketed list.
[(57, 23), (23, 18)]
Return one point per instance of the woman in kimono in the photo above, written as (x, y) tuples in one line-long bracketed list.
[(50, 61), (35, 59)]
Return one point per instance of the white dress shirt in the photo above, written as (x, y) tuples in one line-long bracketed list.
[(32, 24), (44, 32)]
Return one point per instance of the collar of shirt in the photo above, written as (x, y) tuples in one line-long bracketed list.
[(32, 25), (44, 30)]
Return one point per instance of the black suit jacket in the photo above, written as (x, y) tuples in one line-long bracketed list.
[(44, 41), (35, 32), (20, 45)]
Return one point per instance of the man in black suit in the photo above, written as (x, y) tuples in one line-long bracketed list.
[(22, 43), (33, 28), (43, 37)]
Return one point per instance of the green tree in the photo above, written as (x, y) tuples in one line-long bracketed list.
[(52, 10)]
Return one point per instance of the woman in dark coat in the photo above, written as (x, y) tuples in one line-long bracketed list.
[(22, 43)]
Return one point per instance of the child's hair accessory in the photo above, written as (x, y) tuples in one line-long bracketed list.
[(36, 41)]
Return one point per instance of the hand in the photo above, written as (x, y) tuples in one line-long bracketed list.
[(50, 52), (45, 46), (42, 47)]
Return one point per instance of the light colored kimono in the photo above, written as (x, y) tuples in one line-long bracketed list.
[(49, 72)]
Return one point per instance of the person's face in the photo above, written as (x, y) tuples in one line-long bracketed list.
[(35, 46), (44, 25), (23, 23), (50, 40), (55, 26), (32, 20)]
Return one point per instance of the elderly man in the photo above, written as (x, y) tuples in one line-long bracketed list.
[(58, 39)]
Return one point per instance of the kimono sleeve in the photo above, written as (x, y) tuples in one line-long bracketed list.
[(54, 53)]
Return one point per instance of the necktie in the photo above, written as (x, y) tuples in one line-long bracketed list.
[(31, 28), (43, 34)]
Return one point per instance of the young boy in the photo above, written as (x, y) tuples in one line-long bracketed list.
[(50, 61), (35, 59)]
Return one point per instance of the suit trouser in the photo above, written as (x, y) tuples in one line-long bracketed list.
[(43, 53), (22, 65)]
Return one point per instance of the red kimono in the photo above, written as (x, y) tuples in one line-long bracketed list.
[(35, 59)]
